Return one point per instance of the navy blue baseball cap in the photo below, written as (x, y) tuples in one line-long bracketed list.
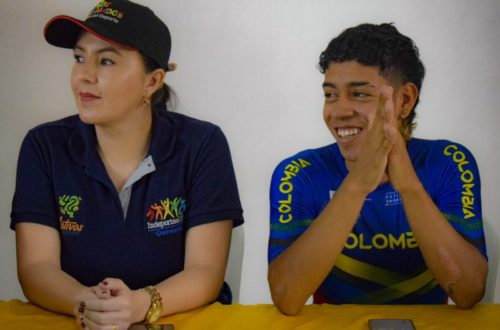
[(120, 22)]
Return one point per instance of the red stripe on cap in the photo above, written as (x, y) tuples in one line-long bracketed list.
[(80, 24)]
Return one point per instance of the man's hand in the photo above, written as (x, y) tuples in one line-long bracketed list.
[(369, 170), (399, 167)]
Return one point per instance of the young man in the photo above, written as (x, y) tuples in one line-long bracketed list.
[(378, 217)]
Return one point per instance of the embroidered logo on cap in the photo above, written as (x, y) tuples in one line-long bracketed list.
[(104, 10), (166, 217), (68, 206)]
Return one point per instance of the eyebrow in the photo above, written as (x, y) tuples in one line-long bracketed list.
[(102, 50), (351, 84), (360, 83)]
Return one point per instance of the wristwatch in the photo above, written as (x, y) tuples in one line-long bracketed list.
[(154, 311)]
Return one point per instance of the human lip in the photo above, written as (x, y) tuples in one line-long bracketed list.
[(88, 97)]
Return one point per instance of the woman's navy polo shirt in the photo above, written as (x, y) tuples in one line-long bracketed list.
[(62, 183)]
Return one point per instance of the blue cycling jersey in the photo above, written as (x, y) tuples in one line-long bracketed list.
[(381, 262)]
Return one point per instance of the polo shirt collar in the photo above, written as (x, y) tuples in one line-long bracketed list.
[(82, 143), (165, 133)]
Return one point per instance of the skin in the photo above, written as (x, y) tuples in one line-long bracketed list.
[(359, 99), (110, 86)]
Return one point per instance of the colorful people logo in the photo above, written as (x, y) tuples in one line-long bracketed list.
[(167, 208), (68, 205)]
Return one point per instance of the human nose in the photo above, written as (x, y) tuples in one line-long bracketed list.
[(340, 109), (86, 72)]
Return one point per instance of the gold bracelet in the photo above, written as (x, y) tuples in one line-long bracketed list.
[(156, 308)]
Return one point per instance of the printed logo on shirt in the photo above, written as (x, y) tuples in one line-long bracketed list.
[(286, 188), (392, 198), (68, 206), (381, 241), (467, 178), (104, 11), (166, 216)]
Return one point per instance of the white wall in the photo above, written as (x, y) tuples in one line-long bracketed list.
[(250, 67)]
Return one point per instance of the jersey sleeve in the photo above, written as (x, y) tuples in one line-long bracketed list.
[(459, 193), (291, 204), (34, 194), (213, 192)]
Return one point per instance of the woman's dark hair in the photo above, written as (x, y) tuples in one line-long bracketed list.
[(381, 46), (163, 98)]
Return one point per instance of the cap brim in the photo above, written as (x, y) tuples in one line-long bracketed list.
[(63, 31)]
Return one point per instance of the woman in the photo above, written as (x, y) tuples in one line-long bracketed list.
[(123, 213)]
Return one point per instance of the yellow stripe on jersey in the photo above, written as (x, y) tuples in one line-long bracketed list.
[(397, 285)]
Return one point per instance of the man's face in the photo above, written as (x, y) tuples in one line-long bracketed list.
[(352, 93)]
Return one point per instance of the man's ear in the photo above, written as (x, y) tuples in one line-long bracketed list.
[(154, 81), (408, 98)]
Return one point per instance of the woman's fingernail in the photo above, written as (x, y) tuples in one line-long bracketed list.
[(81, 309), (105, 282), (82, 324)]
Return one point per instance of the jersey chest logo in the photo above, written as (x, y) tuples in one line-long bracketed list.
[(166, 216), (68, 207), (392, 198)]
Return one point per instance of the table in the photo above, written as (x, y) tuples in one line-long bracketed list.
[(15, 314)]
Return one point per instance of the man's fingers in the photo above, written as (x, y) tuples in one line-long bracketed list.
[(385, 109), (390, 133), (381, 109), (386, 93)]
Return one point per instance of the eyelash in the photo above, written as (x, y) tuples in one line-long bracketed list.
[(330, 95), (78, 59), (360, 94), (103, 61), (106, 61)]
